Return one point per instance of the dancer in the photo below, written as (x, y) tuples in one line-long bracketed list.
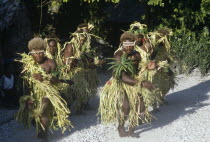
[(124, 97), (83, 59), (42, 103)]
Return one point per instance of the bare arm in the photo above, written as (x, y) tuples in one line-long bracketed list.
[(52, 64), (125, 78), (128, 80), (68, 52), (55, 79), (147, 47)]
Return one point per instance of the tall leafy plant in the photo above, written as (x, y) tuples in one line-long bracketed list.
[(191, 50)]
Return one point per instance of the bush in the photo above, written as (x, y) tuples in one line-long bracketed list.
[(191, 50)]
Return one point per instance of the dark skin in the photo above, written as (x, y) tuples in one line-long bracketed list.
[(147, 47), (135, 57), (53, 50), (69, 52), (53, 47), (138, 39), (48, 65)]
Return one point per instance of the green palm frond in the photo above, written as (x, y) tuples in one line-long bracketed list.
[(124, 64)]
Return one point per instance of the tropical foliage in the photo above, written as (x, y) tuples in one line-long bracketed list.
[(189, 20), (191, 50), (124, 65)]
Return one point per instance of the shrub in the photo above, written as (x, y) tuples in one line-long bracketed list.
[(191, 50)]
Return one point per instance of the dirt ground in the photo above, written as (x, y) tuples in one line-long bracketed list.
[(184, 119)]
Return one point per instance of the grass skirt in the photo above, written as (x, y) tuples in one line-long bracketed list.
[(111, 102)]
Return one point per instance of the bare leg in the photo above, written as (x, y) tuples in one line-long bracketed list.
[(132, 134), (140, 108), (126, 110), (45, 118)]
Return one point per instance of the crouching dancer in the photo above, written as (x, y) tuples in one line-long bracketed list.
[(42, 103), (122, 97)]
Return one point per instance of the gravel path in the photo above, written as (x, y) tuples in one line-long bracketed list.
[(185, 119)]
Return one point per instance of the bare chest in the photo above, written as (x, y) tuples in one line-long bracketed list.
[(135, 59), (46, 67)]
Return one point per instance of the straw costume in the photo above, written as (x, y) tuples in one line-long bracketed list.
[(57, 53), (88, 55), (154, 48), (124, 97), (164, 77), (54, 51), (81, 59), (42, 103), (143, 46)]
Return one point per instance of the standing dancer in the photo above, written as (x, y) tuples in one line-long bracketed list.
[(80, 55), (123, 96), (42, 101), (154, 48), (54, 51)]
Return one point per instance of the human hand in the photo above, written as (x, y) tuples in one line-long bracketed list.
[(38, 77), (148, 85), (54, 80), (151, 65)]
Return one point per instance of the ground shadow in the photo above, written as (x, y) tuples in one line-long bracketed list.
[(88, 118), (181, 103)]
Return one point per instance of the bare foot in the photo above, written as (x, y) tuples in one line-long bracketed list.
[(132, 134), (122, 132), (42, 135)]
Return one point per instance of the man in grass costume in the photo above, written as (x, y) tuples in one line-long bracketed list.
[(154, 48), (164, 76), (123, 96), (54, 51), (82, 58), (42, 103)]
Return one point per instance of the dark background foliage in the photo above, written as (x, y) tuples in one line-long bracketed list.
[(188, 19)]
